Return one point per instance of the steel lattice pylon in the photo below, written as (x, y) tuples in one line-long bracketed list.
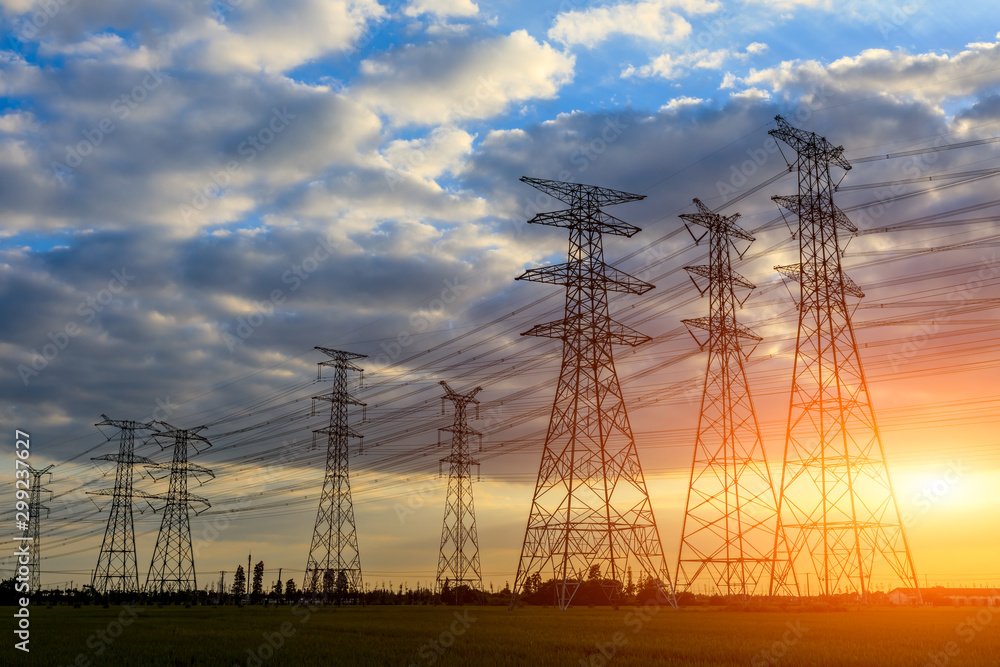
[(116, 569), (172, 568), (836, 501), (458, 561), (334, 564), (590, 506), (731, 516), (35, 508)]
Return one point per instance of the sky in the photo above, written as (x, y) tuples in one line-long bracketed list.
[(196, 194)]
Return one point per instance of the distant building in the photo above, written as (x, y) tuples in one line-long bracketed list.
[(959, 597)]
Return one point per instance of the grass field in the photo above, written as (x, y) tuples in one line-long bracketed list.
[(417, 635)]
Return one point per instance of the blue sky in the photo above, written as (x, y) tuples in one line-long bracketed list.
[(358, 158)]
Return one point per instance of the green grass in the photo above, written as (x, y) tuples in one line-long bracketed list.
[(528, 636)]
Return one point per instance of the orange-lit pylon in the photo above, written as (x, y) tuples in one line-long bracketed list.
[(731, 518), (836, 503), (591, 507)]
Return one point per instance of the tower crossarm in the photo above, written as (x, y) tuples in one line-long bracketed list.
[(812, 205), (809, 144), (186, 466), (593, 275), (590, 219), (618, 333), (338, 431), (727, 325), (460, 429), (339, 397), (117, 458), (812, 281), (723, 224), (578, 195), (722, 273)]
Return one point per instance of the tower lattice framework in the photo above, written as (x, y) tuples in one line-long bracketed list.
[(590, 505), (836, 501), (172, 568), (731, 516), (35, 508), (116, 569), (334, 564), (458, 561)]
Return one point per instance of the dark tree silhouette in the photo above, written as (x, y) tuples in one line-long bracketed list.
[(257, 592), (239, 583)]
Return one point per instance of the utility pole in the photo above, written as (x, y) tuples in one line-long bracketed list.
[(334, 559), (116, 566), (731, 516), (836, 500), (590, 506), (458, 561), (172, 568)]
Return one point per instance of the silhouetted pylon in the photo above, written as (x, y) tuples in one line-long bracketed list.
[(35, 508), (458, 562), (172, 568), (731, 516), (591, 507), (334, 564), (836, 501), (116, 569)]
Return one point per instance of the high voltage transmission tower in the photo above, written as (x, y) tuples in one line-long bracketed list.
[(172, 567), (731, 517), (458, 561), (836, 501), (116, 567), (334, 565), (35, 508), (591, 508)]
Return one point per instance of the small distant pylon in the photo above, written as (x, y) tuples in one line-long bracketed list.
[(458, 562), (334, 564), (35, 508), (836, 502), (172, 568), (731, 517), (116, 569), (591, 516)]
